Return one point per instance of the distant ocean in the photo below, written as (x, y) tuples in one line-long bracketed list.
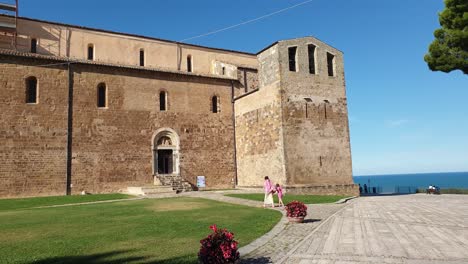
[(392, 183)]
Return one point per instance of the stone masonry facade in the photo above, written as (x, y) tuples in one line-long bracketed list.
[(103, 124)]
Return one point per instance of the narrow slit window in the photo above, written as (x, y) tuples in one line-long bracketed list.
[(90, 52), (162, 101), (142, 57), (102, 95), (33, 45), (215, 104), (311, 50), (31, 90), (189, 63), (331, 64), (326, 102), (292, 51), (224, 70)]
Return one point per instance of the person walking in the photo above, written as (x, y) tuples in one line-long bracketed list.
[(279, 192), (268, 187)]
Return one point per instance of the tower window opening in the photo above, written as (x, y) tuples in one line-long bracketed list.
[(325, 107), (311, 51), (331, 64), (292, 52)]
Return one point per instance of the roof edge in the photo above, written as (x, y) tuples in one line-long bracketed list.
[(66, 60), (276, 42), (130, 35)]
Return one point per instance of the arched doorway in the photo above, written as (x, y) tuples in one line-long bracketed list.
[(165, 147)]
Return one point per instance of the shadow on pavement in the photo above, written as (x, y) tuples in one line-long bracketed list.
[(311, 220), (261, 260)]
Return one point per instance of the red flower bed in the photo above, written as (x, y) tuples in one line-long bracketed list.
[(296, 209), (218, 247)]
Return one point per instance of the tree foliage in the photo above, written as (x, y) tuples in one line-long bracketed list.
[(449, 50)]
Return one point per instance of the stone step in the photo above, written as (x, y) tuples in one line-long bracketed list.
[(145, 190)]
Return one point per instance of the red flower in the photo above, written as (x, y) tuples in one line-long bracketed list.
[(229, 235), (296, 209), (234, 245), (218, 247)]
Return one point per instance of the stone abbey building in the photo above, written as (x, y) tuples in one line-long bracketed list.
[(95, 110)]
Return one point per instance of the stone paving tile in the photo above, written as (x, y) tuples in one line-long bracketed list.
[(292, 234), (392, 229)]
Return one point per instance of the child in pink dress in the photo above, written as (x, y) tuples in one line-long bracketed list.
[(279, 191)]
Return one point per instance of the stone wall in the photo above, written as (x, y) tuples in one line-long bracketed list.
[(248, 79), (259, 128), (332, 189), (316, 134), (33, 137), (112, 146), (71, 41), (295, 128)]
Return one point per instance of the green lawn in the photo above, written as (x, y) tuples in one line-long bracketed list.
[(138, 231), (24, 203), (307, 199)]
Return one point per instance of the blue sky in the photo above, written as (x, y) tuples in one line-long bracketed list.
[(403, 117)]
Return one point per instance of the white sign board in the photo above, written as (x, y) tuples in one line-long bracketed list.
[(201, 181)]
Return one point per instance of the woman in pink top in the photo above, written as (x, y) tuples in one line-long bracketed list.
[(268, 187), (279, 191)]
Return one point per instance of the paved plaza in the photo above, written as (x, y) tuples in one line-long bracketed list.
[(390, 229)]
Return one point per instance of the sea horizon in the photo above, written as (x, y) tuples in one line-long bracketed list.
[(409, 173), (393, 183)]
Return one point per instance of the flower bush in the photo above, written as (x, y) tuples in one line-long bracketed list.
[(296, 209), (218, 247)]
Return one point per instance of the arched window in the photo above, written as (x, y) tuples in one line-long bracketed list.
[(101, 95), (163, 101), (33, 45), (31, 90), (189, 63), (215, 104), (90, 51), (142, 57)]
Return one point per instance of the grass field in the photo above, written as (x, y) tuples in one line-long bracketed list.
[(307, 199), (139, 231), (24, 203)]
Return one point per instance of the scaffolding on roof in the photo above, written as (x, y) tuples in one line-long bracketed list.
[(9, 24)]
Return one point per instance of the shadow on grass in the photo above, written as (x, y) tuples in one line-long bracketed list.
[(113, 258)]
